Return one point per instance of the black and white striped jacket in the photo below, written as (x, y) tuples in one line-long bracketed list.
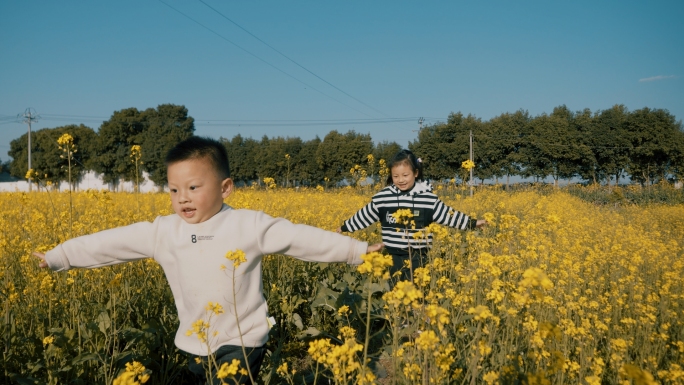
[(425, 206)]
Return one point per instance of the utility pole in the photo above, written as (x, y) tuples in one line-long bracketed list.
[(420, 123), (471, 159), (29, 116)]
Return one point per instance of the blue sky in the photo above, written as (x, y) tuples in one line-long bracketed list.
[(370, 66)]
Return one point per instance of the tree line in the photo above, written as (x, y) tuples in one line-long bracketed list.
[(646, 145)]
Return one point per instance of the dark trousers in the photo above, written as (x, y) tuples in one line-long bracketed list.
[(417, 257), (226, 354)]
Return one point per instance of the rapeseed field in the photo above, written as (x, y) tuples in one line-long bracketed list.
[(556, 290)]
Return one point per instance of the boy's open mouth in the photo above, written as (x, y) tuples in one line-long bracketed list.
[(187, 212)]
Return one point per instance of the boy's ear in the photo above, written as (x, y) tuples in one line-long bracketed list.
[(226, 187)]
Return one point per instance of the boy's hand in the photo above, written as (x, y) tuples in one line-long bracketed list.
[(339, 230), (375, 247), (42, 264), (481, 223)]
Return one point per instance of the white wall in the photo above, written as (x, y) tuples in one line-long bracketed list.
[(89, 181)]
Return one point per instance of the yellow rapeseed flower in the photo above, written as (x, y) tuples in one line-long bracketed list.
[(490, 378), (375, 264), (215, 308), (343, 310), (228, 370), (237, 256), (65, 139), (404, 293), (427, 340), (403, 216)]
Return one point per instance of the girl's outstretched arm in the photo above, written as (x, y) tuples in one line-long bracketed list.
[(363, 218)]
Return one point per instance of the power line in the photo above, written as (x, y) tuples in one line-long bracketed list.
[(290, 59), (301, 124), (242, 122), (260, 59)]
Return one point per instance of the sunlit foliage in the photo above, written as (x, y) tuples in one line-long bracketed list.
[(555, 290)]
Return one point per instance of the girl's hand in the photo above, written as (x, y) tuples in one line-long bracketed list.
[(375, 247), (481, 223), (42, 264)]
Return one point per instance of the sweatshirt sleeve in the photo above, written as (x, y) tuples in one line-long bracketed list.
[(447, 216), (363, 218), (307, 243), (105, 248)]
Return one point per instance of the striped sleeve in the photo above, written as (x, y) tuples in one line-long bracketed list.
[(447, 216), (363, 218)]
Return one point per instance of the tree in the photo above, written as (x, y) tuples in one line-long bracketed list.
[(241, 156), (587, 166), (163, 128), (443, 147), (554, 146), (338, 153), (305, 166), (273, 159), (45, 153), (497, 152), (610, 143), (677, 155), (386, 150), (113, 146), (654, 136)]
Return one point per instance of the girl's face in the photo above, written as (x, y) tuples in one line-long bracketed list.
[(403, 176)]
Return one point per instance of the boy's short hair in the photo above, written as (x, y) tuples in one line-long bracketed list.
[(197, 147)]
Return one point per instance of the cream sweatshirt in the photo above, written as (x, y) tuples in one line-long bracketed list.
[(191, 256)]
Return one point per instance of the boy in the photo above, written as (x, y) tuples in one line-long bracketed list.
[(191, 246)]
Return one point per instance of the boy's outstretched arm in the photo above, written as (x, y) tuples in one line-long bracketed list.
[(42, 264), (375, 247)]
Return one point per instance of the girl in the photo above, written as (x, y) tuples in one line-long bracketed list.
[(407, 190)]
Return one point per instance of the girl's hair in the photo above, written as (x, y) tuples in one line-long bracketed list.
[(405, 157), (197, 147)]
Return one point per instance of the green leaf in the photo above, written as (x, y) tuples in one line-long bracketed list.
[(104, 322), (309, 332), (83, 357), (297, 320)]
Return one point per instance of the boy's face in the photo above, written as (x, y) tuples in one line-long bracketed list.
[(197, 192)]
